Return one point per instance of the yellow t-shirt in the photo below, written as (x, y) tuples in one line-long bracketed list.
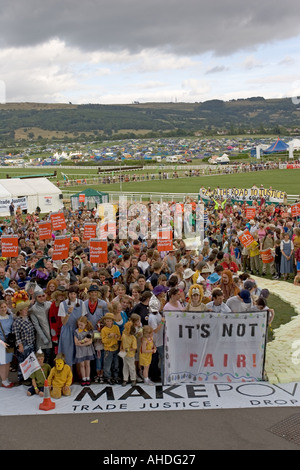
[(129, 342), (254, 249), (110, 344)]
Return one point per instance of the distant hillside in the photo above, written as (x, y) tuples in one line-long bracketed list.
[(62, 121)]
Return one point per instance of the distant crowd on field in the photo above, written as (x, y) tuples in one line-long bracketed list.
[(106, 321)]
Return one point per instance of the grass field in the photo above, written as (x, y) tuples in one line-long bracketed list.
[(284, 180)]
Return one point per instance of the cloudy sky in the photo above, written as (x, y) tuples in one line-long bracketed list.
[(120, 51)]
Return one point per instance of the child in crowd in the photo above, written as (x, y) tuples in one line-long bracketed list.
[(99, 351), (110, 335), (85, 352), (136, 321), (147, 349), (39, 376), (129, 345)]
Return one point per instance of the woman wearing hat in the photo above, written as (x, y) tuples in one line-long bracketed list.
[(96, 308), (69, 311)]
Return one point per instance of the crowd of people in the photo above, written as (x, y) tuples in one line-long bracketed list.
[(107, 320)]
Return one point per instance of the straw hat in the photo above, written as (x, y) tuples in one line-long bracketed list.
[(109, 316)]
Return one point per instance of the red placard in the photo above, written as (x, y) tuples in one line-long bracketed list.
[(81, 197), (61, 248), (98, 251), (9, 246), (267, 256), (295, 210), (250, 212), (246, 238), (58, 221), (45, 230), (164, 240), (89, 231)]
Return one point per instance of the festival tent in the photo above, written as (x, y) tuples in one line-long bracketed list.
[(278, 146), (91, 198), (295, 143), (36, 192), (49, 196)]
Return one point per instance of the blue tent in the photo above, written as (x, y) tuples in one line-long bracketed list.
[(278, 146)]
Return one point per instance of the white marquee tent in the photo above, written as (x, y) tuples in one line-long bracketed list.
[(36, 191)]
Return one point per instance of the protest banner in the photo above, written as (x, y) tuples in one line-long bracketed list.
[(58, 221), (208, 347), (81, 197), (61, 248), (267, 256), (295, 210), (9, 246), (45, 230), (246, 238), (17, 202), (98, 251), (89, 231), (164, 240), (29, 366), (250, 212), (248, 194)]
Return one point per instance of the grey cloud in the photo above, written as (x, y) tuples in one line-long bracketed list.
[(190, 27), (217, 69)]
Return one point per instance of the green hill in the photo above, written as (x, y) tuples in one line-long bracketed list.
[(252, 115)]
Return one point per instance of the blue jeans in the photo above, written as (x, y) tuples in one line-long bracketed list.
[(111, 364), (100, 360)]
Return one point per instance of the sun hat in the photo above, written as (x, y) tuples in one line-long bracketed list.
[(187, 273), (213, 278), (116, 275), (109, 316)]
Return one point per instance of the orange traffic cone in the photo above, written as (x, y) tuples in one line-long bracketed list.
[(47, 403)]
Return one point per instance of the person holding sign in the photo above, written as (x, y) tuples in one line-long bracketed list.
[(39, 376), (267, 243)]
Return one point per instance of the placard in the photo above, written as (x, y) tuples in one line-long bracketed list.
[(164, 240), (267, 256), (81, 197), (9, 246), (295, 210), (58, 221), (45, 230), (89, 231), (250, 212), (29, 366), (246, 238), (208, 347), (98, 251), (61, 248)]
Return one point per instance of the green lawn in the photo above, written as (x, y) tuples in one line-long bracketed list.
[(284, 180)]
